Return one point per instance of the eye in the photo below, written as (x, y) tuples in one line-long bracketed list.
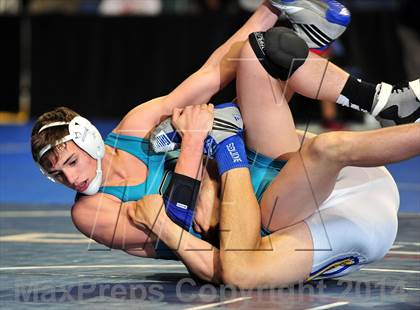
[(73, 162), (57, 175)]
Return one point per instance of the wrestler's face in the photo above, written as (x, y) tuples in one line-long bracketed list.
[(71, 166)]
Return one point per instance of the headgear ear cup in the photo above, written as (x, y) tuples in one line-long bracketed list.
[(87, 137)]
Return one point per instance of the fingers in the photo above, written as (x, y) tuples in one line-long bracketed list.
[(134, 216), (211, 110), (209, 107), (176, 114), (192, 108), (146, 210), (197, 228), (155, 200), (194, 120), (131, 210)]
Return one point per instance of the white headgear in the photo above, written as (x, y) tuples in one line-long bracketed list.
[(88, 138)]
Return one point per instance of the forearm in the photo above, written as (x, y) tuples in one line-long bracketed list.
[(221, 66), (206, 214), (189, 162), (200, 257), (225, 58)]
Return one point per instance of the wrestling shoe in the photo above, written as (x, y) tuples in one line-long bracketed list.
[(165, 138), (397, 105), (227, 122), (318, 22)]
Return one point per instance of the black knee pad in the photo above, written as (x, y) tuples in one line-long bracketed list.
[(280, 51)]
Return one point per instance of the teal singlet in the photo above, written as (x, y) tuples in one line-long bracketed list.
[(157, 164), (160, 167)]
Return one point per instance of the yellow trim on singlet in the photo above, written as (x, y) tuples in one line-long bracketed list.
[(344, 262)]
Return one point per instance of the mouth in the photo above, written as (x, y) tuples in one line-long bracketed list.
[(83, 186)]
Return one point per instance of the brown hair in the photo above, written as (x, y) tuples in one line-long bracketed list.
[(52, 134)]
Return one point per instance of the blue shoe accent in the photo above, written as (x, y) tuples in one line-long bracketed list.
[(211, 146), (319, 22), (225, 105), (337, 13), (321, 49)]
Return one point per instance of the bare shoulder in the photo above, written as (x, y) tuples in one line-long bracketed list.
[(105, 219), (143, 118), (87, 214)]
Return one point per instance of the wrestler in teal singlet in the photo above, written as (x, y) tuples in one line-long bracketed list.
[(160, 166)]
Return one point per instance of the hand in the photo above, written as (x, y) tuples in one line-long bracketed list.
[(193, 122), (147, 211)]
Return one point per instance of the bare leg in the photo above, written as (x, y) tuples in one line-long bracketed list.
[(263, 100), (242, 249), (269, 126), (318, 78), (273, 260), (309, 176)]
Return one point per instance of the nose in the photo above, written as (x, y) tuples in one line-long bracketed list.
[(71, 176)]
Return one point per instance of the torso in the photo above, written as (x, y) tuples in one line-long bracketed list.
[(103, 217), (127, 178), (108, 222), (118, 174)]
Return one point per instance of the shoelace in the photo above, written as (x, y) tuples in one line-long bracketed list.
[(400, 88)]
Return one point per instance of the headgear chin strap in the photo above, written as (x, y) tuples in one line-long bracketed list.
[(94, 186), (88, 138)]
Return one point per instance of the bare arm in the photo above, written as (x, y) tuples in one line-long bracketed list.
[(105, 220), (206, 215), (198, 88), (200, 257), (193, 123)]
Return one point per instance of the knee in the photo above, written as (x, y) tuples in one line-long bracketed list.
[(285, 48), (280, 51), (334, 147)]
